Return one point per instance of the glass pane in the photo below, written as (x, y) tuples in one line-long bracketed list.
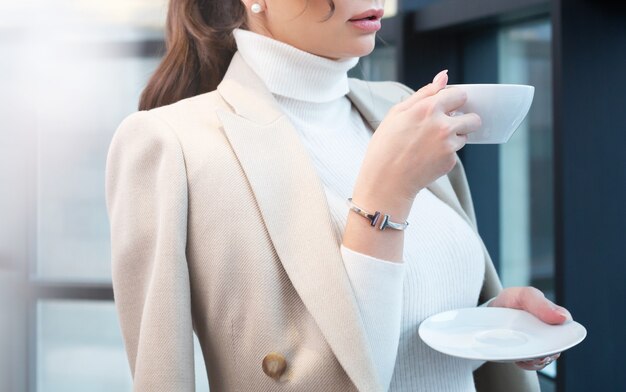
[(71, 70), (12, 332), (73, 139), (80, 348), (16, 120), (526, 162), (202, 380), (526, 165), (380, 65), (114, 18)]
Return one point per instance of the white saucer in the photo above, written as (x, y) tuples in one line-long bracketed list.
[(497, 334)]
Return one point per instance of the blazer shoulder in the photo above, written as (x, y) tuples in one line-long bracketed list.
[(140, 127), (207, 100), (141, 135), (177, 119), (199, 108)]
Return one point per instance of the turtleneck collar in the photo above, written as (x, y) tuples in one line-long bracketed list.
[(294, 73)]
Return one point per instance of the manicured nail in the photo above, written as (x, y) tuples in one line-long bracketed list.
[(566, 315), (439, 76)]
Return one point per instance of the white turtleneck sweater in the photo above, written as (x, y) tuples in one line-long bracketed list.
[(443, 261)]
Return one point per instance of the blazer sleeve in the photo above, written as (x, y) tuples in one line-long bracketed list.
[(146, 196)]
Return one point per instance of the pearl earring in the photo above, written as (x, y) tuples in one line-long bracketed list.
[(256, 8)]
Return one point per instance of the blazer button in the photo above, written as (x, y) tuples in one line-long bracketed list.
[(274, 365)]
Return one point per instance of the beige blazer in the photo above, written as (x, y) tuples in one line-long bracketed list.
[(220, 225)]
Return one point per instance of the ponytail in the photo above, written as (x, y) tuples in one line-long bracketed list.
[(199, 47)]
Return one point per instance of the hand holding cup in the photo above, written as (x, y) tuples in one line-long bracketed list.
[(414, 145)]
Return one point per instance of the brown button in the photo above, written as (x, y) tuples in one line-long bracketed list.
[(274, 365)]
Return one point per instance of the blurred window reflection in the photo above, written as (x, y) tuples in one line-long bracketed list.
[(79, 348), (70, 71), (380, 65), (86, 98), (526, 164)]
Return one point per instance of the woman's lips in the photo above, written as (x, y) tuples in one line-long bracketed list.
[(369, 25), (372, 13), (368, 21)]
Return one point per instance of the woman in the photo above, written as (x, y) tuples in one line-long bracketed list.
[(228, 212)]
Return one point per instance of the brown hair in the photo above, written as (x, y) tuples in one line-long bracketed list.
[(199, 46)]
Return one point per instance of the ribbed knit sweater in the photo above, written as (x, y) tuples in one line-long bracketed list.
[(443, 261)]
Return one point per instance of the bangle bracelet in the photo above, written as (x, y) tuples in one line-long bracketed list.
[(376, 217)]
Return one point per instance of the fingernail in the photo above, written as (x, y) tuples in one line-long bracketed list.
[(439, 76), (566, 315)]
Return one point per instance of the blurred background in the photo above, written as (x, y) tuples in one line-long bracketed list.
[(550, 202)]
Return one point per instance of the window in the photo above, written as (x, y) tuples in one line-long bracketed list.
[(526, 194), (526, 164), (70, 71)]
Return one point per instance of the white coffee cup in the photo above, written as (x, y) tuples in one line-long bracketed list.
[(502, 108)]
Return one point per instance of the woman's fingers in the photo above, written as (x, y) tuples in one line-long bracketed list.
[(439, 82), (537, 364), (435, 97), (460, 127), (444, 102), (450, 99), (533, 301), (466, 123), (461, 141), (423, 135)]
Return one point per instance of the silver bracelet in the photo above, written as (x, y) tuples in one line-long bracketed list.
[(376, 217)]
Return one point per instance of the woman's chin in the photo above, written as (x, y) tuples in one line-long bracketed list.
[(357, 47), (361, 47), (367, 44)]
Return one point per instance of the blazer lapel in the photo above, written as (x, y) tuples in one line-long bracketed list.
[(295, 211)]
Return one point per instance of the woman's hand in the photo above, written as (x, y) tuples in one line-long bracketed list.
[(533, 301), (414, 145)]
